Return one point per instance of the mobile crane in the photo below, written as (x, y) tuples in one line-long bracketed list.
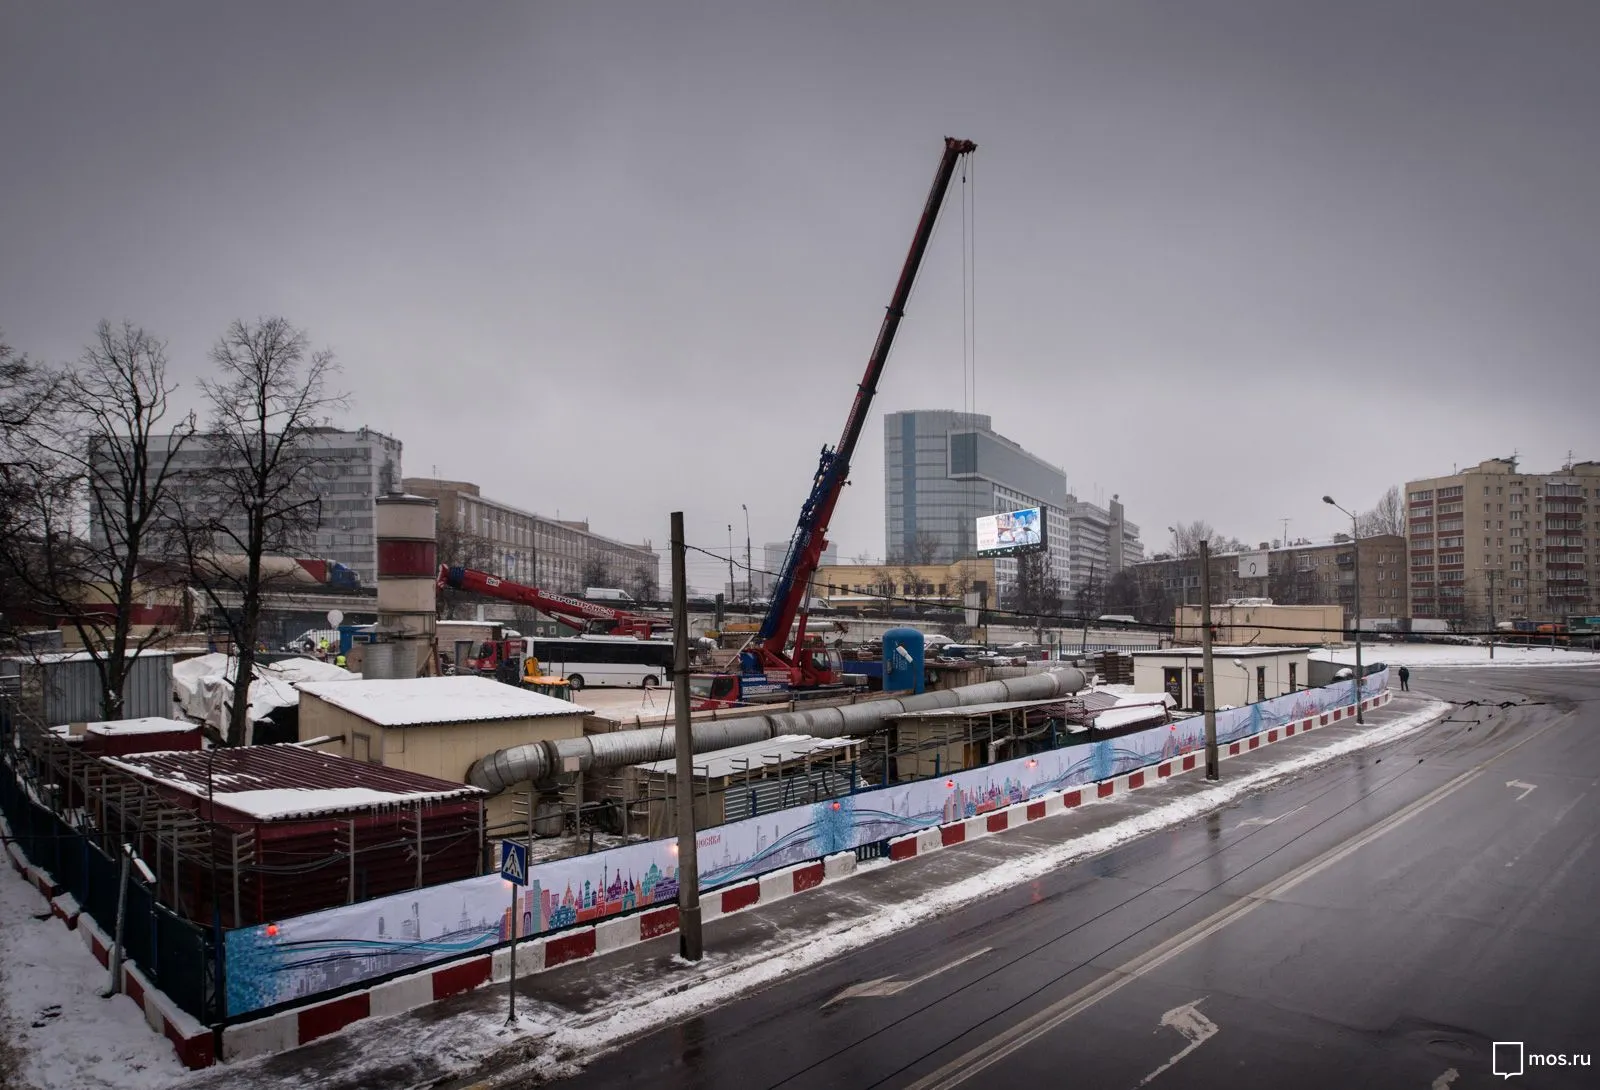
[(768, 667), (592, 617)]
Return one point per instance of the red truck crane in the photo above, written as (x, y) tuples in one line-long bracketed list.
[(592, 617), (769, 664)]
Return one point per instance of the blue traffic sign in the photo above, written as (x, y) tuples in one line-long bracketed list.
[(514, 862)]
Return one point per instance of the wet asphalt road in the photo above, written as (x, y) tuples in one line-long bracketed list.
[(1378, 923)]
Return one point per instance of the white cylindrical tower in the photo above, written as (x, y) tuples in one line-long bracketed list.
[(408, 565)]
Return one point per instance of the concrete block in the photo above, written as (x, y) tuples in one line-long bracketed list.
[(620, 932), (264, 1036), (839, 864), (929, 840), (403, 994), (777, 884)]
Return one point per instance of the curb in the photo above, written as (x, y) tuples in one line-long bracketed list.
[(196, 1045)]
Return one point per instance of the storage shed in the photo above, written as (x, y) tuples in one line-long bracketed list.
[(152, 734), (742, 781), (435, 726), (290, 830), (1244, 674), (65, 687)]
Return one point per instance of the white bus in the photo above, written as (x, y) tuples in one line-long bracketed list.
[(606, 660)]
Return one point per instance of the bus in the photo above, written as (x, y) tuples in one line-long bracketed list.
[(605, 660)]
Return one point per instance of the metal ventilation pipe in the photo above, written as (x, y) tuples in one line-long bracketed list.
[(537, 761)]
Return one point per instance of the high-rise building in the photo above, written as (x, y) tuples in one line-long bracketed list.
[(1525, 537), (352, 469), (943, 470), (769, 563)]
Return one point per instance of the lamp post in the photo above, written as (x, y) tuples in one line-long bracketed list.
[(749, 573), (1355, 546)]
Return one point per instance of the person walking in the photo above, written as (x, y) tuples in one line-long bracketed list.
[(1405, 680)]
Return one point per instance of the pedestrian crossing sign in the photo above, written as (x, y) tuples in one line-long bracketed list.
[(514, 862)]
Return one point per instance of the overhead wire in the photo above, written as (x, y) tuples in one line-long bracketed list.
[(1070, 620)]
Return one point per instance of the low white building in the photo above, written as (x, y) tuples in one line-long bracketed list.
[(1244, 675)]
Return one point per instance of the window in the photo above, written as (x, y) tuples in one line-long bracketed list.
[(1292, 666), (1261, 682)]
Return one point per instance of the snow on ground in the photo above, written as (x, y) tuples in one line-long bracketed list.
[(50, 985), (722, 980), (1448, 654)]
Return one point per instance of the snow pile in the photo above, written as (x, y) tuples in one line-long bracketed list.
[(69, 1037), (1445, 654)]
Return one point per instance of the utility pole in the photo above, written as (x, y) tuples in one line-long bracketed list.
[(688, 863), (733, 588), (1083, 648), (749, 566), (1213, 761), (1492, 574)]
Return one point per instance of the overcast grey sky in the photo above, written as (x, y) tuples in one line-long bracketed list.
[(616, 259)]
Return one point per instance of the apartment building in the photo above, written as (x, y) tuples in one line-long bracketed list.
[(528, 548), (1304, 574), (351, 469), (1493, 531)]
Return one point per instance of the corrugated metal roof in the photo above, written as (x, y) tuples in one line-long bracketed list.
[(410, 702), (967, 711), (240, 779), (735, 760)]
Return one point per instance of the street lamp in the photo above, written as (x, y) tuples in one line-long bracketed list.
[(749, 573), (1355, 547), (1183, 576)]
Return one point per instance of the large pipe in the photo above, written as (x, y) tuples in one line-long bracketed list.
[(536, 761)]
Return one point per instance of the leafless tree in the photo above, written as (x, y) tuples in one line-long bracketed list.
[(644, 585), (910, 583), (924, 548), (1388, 516), (596, 572), (460, 547), (1187, 537), (1036, 595), (261, 492), (26, 400), (97, 509)]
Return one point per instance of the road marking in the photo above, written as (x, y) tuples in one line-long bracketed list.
[(885, 986), (1006, 1042), (1195, 1027), (1527, 788), (1443, 1081), (1270, 820)]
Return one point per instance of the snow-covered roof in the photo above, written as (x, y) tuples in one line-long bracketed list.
[(284, 781), (735, 760), (154, 724), (88, 656), (409, 702)]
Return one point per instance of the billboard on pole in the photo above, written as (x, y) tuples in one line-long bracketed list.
[(1252, 565), (1011, 532)]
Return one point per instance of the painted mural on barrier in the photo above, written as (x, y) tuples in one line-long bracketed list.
[(321, 951)]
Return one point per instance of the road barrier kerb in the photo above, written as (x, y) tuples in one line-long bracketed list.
[(288, 1029)]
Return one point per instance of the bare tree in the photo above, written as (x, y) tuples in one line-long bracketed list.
[(102, 462), (910, 583), (924, 548), (645, 586), (1187, 536), (1388, 516), (596, 572), (261, 492), (26, 401), (1036, 595), (460, 547)]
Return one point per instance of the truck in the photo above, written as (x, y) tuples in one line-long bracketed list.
[(781, 661)]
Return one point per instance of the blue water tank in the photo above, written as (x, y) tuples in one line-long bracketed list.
[(903, 660)]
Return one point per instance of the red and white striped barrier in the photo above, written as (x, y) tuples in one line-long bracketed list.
[(285, 1030)]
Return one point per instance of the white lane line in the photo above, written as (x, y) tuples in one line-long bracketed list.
[(1527, 788), (1063, 1010), (1443, 1081), (1195, 1027), (1269, 820)]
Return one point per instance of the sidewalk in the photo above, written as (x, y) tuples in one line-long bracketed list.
[(591, 1004)]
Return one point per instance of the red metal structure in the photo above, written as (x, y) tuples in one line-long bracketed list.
[(812, 667), (593, 617)]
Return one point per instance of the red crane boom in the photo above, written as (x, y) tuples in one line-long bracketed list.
[(595, 617)]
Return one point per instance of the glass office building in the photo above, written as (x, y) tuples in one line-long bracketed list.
[(945, 469)]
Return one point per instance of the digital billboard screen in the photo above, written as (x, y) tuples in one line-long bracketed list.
[(1011, 532)]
